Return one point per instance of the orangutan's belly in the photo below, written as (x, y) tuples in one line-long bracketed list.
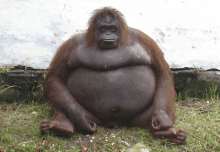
[(123, 92)]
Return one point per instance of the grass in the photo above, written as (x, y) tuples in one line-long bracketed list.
[(20, 123)]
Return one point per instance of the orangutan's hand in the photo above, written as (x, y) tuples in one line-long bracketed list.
[(161, 120)]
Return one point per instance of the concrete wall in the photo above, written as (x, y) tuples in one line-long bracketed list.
[(187, 31)]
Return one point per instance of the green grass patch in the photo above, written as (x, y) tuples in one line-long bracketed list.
[(20, 123)]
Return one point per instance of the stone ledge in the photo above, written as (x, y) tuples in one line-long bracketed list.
[(26, 82), (21, 82), (194, 82)]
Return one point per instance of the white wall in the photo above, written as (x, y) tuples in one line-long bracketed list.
[(187, 31)]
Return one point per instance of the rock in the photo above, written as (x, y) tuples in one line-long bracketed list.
[(21, 82), (194, 82)]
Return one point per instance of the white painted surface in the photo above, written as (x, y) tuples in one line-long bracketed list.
[(187, 31)]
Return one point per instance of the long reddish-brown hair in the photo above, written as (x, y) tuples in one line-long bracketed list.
[(100, 13)]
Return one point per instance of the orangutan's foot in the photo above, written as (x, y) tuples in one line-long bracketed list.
[(58, 126), (175, 135)]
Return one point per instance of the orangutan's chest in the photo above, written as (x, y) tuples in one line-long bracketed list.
[(109, 59)]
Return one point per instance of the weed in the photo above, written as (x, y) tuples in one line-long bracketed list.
[(211, 93)]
